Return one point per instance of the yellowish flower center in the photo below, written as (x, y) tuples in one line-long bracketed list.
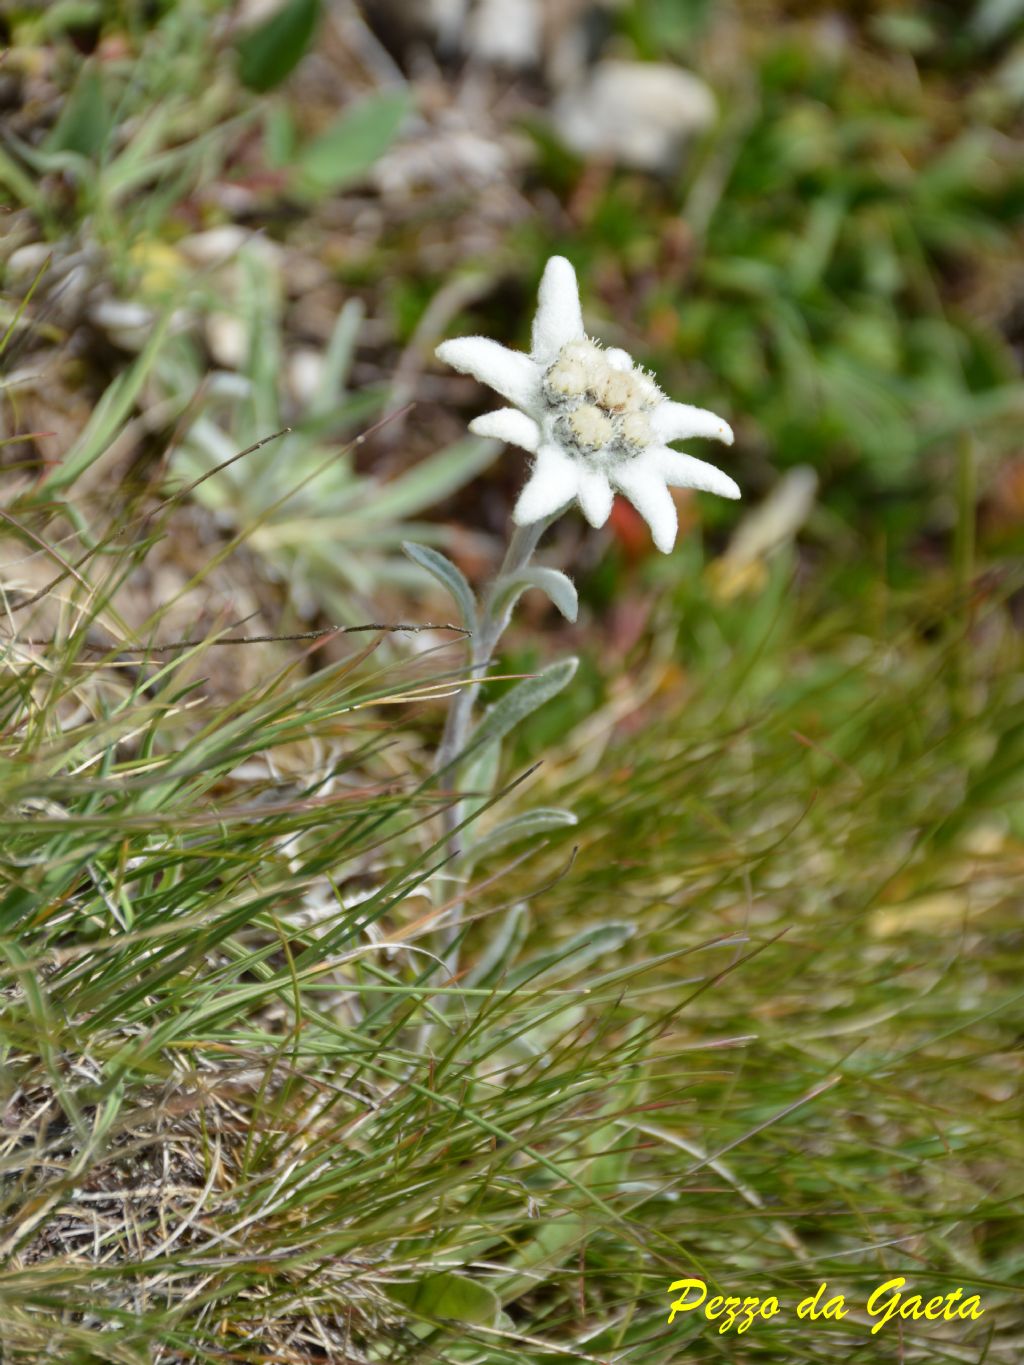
[(598, 406), (584, 352), (590, 426), (568, 378), (636, 430), (617, 390)]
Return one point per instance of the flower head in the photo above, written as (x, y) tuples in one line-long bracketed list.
[(595, 422)]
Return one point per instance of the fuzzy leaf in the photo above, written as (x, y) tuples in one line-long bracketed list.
[(448, 575), (480, 774), (575, 954), (501, 947), (524, 698), (557, 586), (525, 826), (338, 356)]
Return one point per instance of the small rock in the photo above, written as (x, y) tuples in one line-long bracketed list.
[(215, 246), (507, 32), (227, 339), (447, 18), (25, 263), (640, 114), (305, 366), (126, 323), (68, 293), (445, 155)]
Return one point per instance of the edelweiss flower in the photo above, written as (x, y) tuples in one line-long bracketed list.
[(595, 421)]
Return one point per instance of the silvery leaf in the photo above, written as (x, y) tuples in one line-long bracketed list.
[(448, 575), (556, 585), (524, 698), (525, 826), (502, 946), (574, 954)]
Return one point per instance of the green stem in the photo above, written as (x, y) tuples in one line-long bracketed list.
[(494, 619)]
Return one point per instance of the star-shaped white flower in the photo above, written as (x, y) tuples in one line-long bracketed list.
[(595, 422)]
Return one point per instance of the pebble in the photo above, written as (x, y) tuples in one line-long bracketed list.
[(640, 114)]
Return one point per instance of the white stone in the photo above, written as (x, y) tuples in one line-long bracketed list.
[(640, 114), (227, 340), (304, 369), (215, 246), (507, 32), (25, 263), (127, 323)]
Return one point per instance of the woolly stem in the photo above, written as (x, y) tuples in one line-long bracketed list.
[(493, 622)]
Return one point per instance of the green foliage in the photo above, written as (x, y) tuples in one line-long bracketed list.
[(994, 19), (268, 53), (520, 828), (86, 120), (750, 1010), (521, 701), (820, 311), (663, 29), (782, 1057), (335, 533), (457, 1298), (134, 135), (345, 151), (108, 417)]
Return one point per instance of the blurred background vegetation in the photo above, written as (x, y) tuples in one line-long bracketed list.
[(817, 232), (801, 735)]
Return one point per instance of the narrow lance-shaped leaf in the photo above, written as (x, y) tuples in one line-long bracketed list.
[(480, 774), (14, 178), (576, 953), (338, 357), (279, 136), (448, 575), (85, 121), (528, 825), (112, 409), (500, 948), (523, 699), (19, 311), (448, 1295), (556, 585)]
